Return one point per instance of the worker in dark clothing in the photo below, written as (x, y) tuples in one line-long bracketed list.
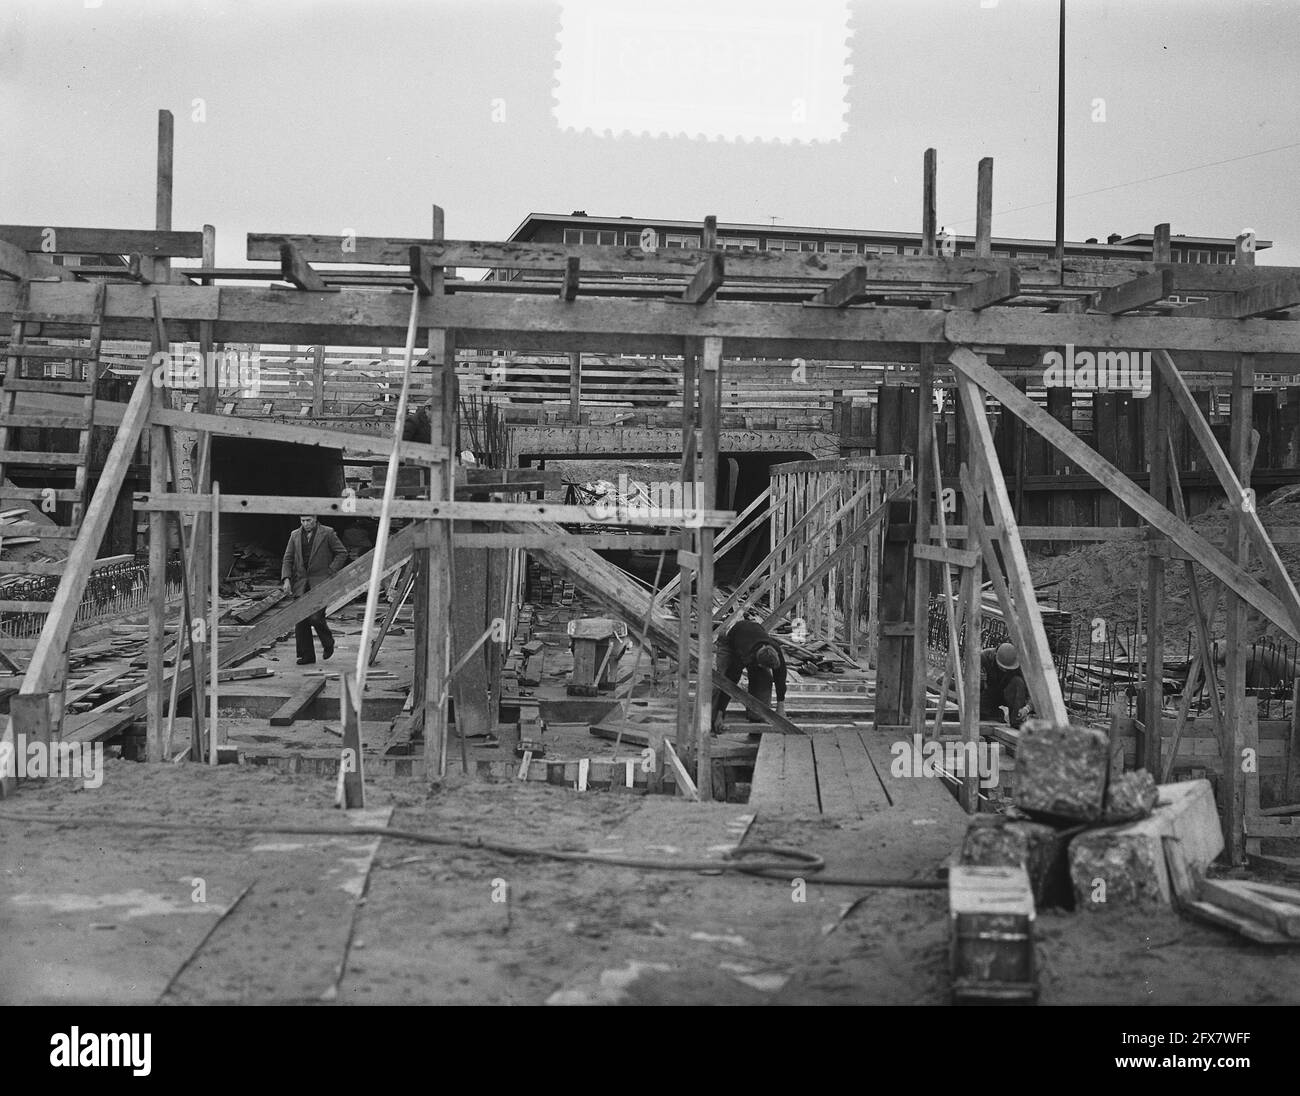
[(1002, 685), (747, 648)]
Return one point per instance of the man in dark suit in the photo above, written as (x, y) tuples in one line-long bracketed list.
[(314, 553), (747, 648)]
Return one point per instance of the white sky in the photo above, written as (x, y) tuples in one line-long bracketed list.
[(324, 117)]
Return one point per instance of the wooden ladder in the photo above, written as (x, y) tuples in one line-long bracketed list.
[(29, 368)]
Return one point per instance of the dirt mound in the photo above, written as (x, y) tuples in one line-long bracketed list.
[(1105, 580)]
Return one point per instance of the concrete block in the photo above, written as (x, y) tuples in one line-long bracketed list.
[(1130, 796), (1061, 772), (995, 840), (1125, 865)]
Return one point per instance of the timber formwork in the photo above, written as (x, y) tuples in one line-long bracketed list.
[(947, 316)]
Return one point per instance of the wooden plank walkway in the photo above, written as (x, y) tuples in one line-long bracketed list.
[(841, 774)]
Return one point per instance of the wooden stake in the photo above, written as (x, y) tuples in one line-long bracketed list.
[(710, 384), (214, 610)]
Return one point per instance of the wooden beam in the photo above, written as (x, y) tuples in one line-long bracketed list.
[(1275, 295), (1161, 252), (572, 278), (1238, 708), (294, 706), (1035, 653), (955, 557), (1157, 439), (984, 209), (294, 268), (366, 318), (929, 219), (61, 240), (844, 290), (645, 517), (1138, 293), (575, 388), (51, 649), (989, 290), (1235, 577), (16, 263), (424, 275), (1242, 504), (708, 278), (710, 363)]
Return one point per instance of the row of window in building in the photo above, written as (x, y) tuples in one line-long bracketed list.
[(613, 238)]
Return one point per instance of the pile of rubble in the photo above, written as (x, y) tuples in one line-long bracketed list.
[(1083, 835)]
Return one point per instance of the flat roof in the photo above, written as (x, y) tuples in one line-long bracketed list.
[(1128, 243)]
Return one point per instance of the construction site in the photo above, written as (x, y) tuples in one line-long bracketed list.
[(371, 612)]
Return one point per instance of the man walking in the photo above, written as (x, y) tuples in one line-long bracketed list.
[(314, 553), (747, 648), (1002, 685)]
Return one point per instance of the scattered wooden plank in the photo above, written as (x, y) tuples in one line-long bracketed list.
[(293, 708), (1241, 897)]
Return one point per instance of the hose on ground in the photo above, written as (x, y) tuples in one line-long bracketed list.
[(783, 863)]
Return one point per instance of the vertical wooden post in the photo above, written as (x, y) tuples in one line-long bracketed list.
[(199, 525), (1161, 252), (703, 500), (984, 210), (440, 555), (685, 573), (156, 727), (1157, 460), (972, 581), (318, 381), (214, 612), (922, 473), (575, 388), (163, 194), (1232, 786)]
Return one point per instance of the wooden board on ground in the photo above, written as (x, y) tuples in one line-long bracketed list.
[(293, 708), (663, 827)]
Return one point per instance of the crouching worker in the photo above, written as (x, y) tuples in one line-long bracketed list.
[(747, 648), (1002, 685)]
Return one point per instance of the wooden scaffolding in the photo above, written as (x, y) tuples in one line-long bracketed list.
[(941, 313)]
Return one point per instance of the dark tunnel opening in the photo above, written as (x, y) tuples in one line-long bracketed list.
[(244, 466)]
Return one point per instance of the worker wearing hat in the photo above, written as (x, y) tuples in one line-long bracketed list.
[(1002, 685), (747, 648)]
